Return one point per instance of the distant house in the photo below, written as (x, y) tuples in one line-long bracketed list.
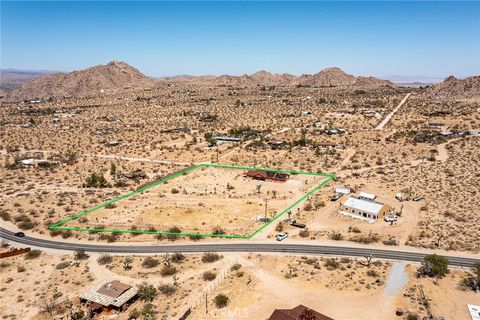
[(364, 209), (267, 175), (110, 295), (277, 144), (300, 312), (227, 139), (436, 124), (327, 144), (446, 133), (33, 161), (137, 174), (112, 143)]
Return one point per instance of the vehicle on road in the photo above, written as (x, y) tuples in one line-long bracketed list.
[(282, 236), (19, 234)]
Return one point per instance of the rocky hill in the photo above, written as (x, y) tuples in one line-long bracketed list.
[(114, 76), (453, 88), (339, 78)]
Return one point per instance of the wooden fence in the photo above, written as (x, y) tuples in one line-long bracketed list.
[(14, 252)]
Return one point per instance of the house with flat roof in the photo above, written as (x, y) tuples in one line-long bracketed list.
[(365, 209), (110, 295), (300, 312)]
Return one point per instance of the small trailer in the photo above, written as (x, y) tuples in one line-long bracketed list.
[(294, 223)]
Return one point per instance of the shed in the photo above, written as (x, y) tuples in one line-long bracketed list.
[(109, 294)]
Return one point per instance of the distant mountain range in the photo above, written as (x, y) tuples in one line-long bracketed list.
[(117, 76), (114, 76)]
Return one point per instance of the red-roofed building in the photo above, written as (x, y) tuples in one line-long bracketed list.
[(300, 312), (267, 175)]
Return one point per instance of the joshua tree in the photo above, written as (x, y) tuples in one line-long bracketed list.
[(127, 263)]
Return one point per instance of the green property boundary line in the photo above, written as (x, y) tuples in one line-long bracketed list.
[(59, 225)]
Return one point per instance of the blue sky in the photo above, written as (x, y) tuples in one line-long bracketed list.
[(168, 38)]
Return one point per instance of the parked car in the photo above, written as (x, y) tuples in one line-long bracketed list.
[(281, 236), (335, 197), (19, 234), (390, 218), (262, 219), (418, 198)]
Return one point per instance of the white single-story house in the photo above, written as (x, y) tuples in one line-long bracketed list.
[(342, 190), (363, 209), (474, 311), (367, 196)]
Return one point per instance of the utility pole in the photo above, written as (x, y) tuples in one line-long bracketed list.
[(217, 153), (266, 202)]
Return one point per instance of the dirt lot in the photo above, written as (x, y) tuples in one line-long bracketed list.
[(206, 200)]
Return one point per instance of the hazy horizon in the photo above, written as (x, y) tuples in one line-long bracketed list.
[(161, 39)]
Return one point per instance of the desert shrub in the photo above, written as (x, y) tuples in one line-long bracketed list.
[(148, 311), (308, 207), (32, 254), (373, 273), (218, 230), (173, 237), (304, 233), (55, 232), (220, 300), (110, 237), (177, 257), (472, 280), (21, 269), (24, 222), (331, 264), (62, 265), (279, 227), (209, 276), (336, 236), (105, 259), (434, 266), (210, 257), (235, 267), (412, 316), (168, 271), (174, 191), (5, 215), (80, 254), (95, 181), (367, 239), (66, 234), (146, 292), (150, 262), (167, 289)]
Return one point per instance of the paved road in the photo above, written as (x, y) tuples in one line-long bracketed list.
[(234, 247), (390, 115)]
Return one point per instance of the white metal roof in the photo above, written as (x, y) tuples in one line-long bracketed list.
[(342, 190), (474, 311), (367, 195), (364, 205)]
